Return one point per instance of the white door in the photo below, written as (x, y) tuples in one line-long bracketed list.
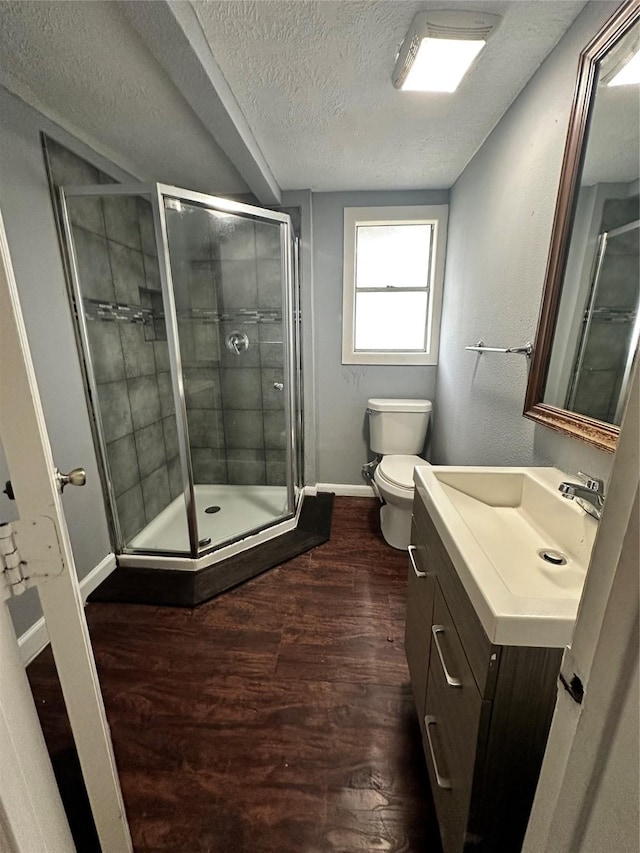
[(588, 794), (42, 557), (31, 813)]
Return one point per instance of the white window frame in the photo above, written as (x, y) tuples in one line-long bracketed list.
[(435, 215)]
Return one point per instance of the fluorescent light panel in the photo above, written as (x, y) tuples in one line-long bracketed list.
[(629, 73), (439, 48), (440, 64)]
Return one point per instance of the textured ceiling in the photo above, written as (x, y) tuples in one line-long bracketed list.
[(313, 80), (84, 66)]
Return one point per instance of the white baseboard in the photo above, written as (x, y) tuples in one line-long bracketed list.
[(97, 575), (346, 489), (33, 641), (36, 638)]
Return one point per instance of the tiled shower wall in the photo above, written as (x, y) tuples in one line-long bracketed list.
[(120, 285), (225, 281), (250, 296), (227, 277)]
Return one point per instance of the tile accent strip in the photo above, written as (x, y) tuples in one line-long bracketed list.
[(116, 312), (95, 309)]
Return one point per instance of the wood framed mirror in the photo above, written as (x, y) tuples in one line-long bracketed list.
[(589, 324)]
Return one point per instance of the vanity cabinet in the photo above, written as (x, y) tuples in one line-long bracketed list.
[(484, 709), (417, 641)]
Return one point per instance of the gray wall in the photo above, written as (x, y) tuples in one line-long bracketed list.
[(501, 214), (33, 243), (342, 391)]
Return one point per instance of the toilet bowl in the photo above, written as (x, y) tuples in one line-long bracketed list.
[(394, 480), (397, 432)]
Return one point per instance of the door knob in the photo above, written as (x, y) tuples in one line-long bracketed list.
[(77, 477)]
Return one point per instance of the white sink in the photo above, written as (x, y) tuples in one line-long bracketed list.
[(497, 525)]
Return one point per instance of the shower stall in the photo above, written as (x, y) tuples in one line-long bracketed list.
[(187, 312), (610, 328)]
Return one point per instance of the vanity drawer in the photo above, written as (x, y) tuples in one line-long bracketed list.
[(457, 698), (453, 720), (455, 724), (417, 636), (482, 655)]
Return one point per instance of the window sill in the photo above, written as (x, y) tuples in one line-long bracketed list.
[(392, 358)]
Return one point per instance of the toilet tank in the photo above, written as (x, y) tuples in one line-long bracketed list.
[(397, 426)]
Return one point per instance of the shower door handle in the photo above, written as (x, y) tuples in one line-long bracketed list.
[(279, 386)]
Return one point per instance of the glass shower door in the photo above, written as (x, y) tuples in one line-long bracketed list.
[(186, 308), (120, 310), (231, 273)]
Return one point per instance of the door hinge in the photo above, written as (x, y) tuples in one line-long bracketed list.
[(30, 553), (12, 568)]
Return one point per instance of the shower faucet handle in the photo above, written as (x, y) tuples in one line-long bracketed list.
[(237, 342)]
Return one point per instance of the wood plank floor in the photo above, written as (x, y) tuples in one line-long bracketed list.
[(276, 718)]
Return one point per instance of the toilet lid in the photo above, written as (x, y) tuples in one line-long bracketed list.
[(399, 469)]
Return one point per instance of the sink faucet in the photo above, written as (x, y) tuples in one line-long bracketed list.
[(589, 494)]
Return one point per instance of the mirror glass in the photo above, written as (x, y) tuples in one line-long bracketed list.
[(597, 327)]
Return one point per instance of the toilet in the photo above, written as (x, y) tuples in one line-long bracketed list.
[(397, 430)]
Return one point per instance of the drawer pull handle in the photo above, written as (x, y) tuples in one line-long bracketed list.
[(419, 574), (442, 781), (451, 681)]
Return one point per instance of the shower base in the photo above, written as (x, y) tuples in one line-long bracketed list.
[(168, 583), (241, 509)]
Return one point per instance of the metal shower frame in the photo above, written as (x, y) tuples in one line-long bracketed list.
[(155, 194)]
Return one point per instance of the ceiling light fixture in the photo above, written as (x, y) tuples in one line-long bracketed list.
[(439, 49)]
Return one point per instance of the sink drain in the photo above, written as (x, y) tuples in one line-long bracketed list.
[(556, 558), (211, 509)]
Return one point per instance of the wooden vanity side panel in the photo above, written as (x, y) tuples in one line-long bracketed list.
[(417, 632), (521, 716), (483, 657)]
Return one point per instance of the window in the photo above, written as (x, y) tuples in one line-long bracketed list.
[(393, 273)]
